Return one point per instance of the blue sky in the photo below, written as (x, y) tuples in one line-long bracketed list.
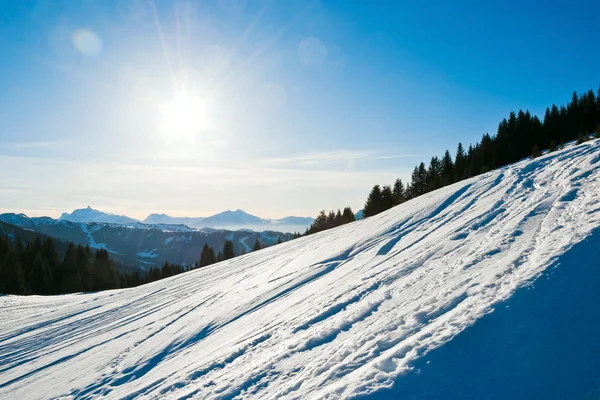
[(276, 107)]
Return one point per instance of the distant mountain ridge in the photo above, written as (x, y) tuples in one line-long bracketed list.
[(229, 219), (91, 215), (166, 219), (137, 244)]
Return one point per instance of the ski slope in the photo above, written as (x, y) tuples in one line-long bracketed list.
[(339, 314)]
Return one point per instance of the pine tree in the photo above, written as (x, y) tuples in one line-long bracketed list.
[(228, 250), (398, 192), (106, 273), (373, 204), (338, 218), (13, 279), (71, 281), (320, 223), (40, 279), (257, 245), (413, 188), (552, 147), (434, 175), (535, 152), (597, 130), (88, 270), (54, 263), (422, 181), (165, 270), (348, 215), (580, 138), (447, 169), (460, 162), (207, 256), (279, 241), (330, 220), (387, 198)]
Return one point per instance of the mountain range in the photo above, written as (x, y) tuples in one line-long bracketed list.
[(232, 220), (138, 245)]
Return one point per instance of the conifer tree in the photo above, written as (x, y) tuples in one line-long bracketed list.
[(40, 279), (279, 241), (13, 279), (319, 224), (434, 175), (88, 270), (387, 198), (460, 162), (338, 218), (330, 220), (348, 216), (54, 263), (228, 250), (447, 169), (207, 256), (422, 180), (106, 276), (257, 245), (71, 277), (398, 192), (373, 204)]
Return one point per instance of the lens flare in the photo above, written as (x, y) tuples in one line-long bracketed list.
[(87, 42)]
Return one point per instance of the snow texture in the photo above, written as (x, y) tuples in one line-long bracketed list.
[(345, 313), (148, 253)]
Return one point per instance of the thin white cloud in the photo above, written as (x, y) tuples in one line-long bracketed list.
[(43, 144), (320, 158)]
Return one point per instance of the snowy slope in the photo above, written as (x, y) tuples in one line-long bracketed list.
[(337, 314)]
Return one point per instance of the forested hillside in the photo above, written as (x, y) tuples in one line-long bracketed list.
[(521, 135), (31, 263)]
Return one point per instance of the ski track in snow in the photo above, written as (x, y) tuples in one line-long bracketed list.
[(334, 315), (247, 247)]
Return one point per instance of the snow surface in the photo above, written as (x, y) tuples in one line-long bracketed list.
[(91, 241), (339, 314), (148, 253)]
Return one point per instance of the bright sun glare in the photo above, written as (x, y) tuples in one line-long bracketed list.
[(184, 117)]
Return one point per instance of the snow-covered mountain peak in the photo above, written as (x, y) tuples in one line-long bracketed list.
[(89, 214)]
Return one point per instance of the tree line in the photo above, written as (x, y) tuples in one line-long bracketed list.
[(208, 256), (519, 136), (325, 221), (36, 267)]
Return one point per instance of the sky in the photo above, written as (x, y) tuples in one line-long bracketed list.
[(275, 107)]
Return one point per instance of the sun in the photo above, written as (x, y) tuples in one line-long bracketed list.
[(184, 116)]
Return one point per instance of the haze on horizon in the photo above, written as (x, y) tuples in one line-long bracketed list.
[(190, 108)]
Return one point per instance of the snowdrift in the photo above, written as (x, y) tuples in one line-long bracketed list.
[(344, 313)]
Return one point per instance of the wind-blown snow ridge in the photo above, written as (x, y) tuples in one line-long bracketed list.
[(338, 314)]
